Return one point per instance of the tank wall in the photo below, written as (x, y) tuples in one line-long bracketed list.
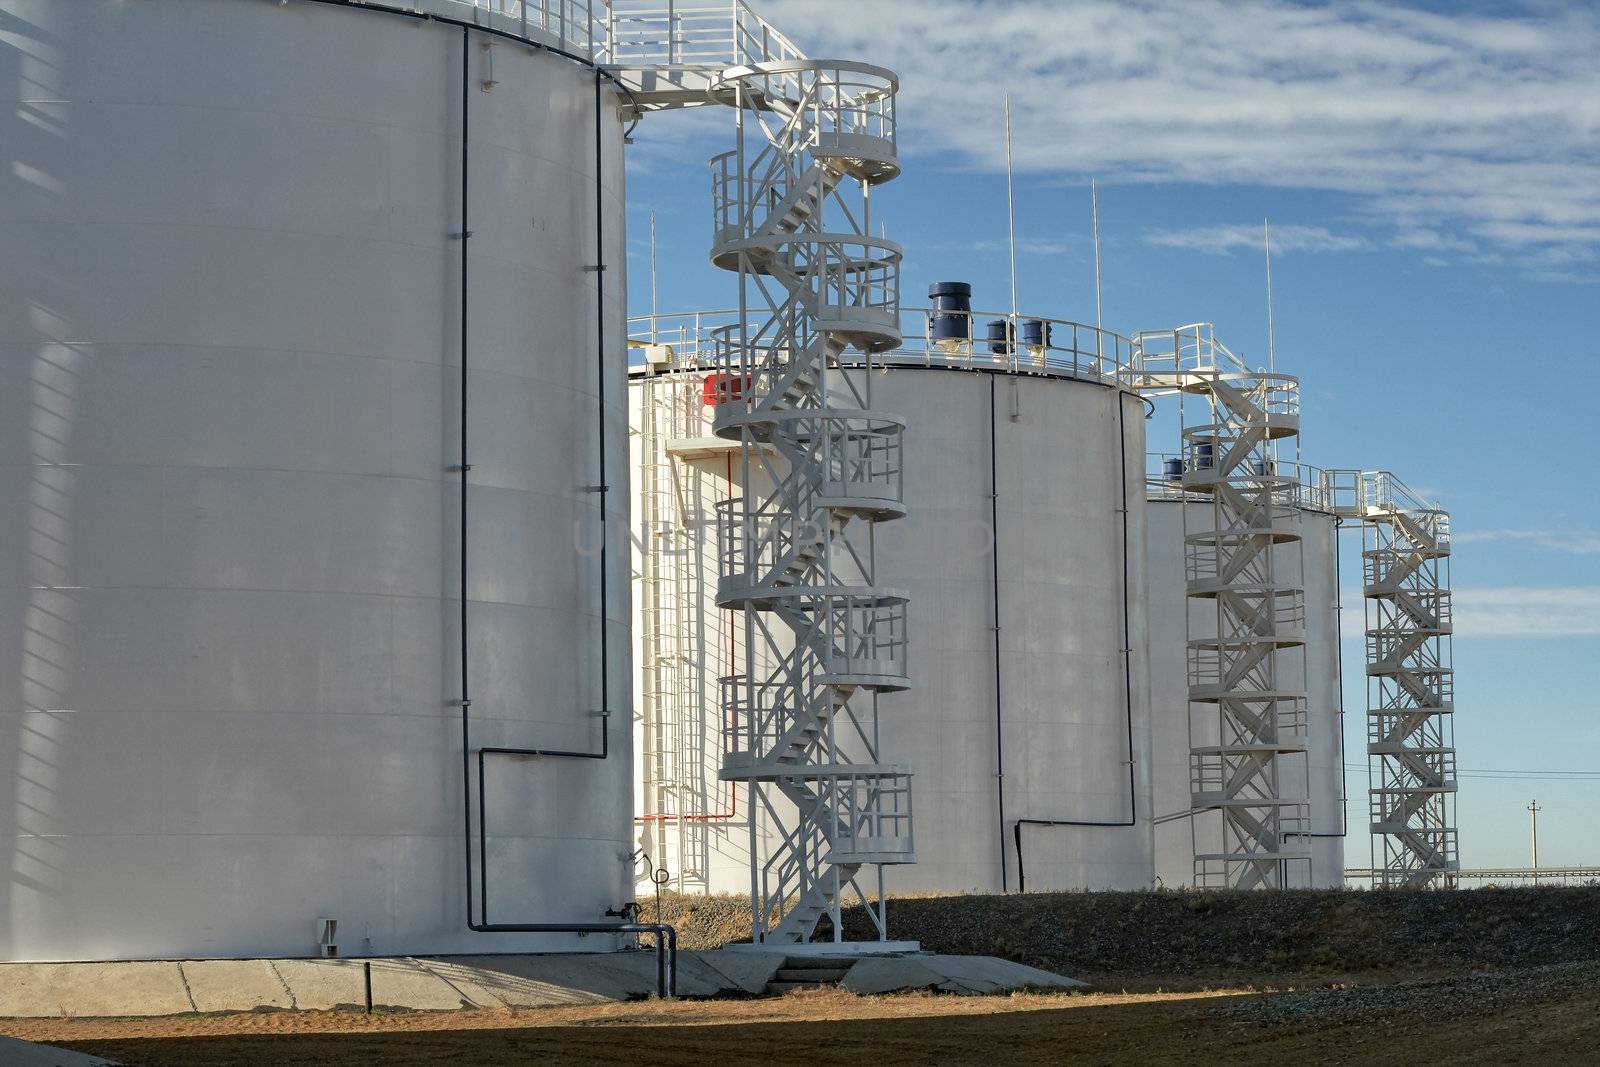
[(1170, 729), (1064, 460), (1326, 740), (1066, 691), (690, 824), (229, 321)]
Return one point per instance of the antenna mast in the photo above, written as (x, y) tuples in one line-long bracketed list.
[(1272, 343), (1094, 213), (653, 310), (1011, 215)]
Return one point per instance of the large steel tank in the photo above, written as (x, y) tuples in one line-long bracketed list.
[(231, 339), (1025, 478), (1317, 672)]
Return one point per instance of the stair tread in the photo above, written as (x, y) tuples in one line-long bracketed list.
[(813, 975)]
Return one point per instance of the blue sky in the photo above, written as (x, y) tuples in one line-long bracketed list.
[(1432, 174)]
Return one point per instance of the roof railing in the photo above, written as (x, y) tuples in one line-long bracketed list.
[(976, 340)]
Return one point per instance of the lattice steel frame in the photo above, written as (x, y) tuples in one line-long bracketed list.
[(1254, 724), (1411, 755)]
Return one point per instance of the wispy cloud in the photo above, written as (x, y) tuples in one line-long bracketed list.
[(1463, 134), (1571, 542), (1032, 246), (1527, 611), (1224, 239)]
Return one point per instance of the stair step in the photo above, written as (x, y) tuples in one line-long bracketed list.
[(811, 975), (817, 963)]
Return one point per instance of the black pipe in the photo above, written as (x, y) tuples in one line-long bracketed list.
[(994, 558), (666, 937), (1127, 671)]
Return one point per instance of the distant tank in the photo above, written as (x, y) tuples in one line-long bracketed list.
[(1025, 491)]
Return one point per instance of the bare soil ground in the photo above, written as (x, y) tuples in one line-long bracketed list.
[(1508, 976), (1509, 1017)]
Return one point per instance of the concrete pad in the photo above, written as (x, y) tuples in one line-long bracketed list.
[(35, 990), (14, 1053), (234, 985), (471, 982), (409, 984), (886, 974), (548, 981), (322, 985), (744, 971), (987, 974)]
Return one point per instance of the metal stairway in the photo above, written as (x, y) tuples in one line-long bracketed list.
[(819, 467), (1410, 733), (1251, 723)]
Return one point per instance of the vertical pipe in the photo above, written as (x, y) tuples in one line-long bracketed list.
[(600, 428), (466, 692), (994, 558)]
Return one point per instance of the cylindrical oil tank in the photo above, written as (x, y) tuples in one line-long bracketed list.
[(1023, 557), (1317, 554), (233, 316)]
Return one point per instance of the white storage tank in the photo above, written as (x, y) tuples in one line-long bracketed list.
[(1024, 474), (1317, 553), (231, 334)]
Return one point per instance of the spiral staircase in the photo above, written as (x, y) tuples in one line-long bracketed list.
[(818, 466)]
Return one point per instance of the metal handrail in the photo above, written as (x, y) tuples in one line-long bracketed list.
[(626, 33), (1072, 349), (725, 34)]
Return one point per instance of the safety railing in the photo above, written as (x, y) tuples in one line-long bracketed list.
[(1360, 493), (1193, 347), (873, 808), (663, 33), (1426, 688), (1425, 611), (1302, 485), (1016, 343), (829, 105), (1042, 346), (1211, 773), (758, 539), (864, 638), (854, 281), (1398, 566), (763, 712), (1406, 809), (626, 33), (576, 26), (861, 458)]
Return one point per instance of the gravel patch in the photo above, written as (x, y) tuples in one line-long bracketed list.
[(1457, 997), (1205, 933)]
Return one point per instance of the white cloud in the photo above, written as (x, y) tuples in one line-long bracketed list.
[(1571, 542), (1031, 246), (1477, 130), (1527, 611), (1222, 239)]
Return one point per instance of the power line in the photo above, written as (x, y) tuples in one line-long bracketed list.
[(1511, 775)]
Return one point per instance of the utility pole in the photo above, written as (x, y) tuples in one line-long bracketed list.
[(1533, 810)]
